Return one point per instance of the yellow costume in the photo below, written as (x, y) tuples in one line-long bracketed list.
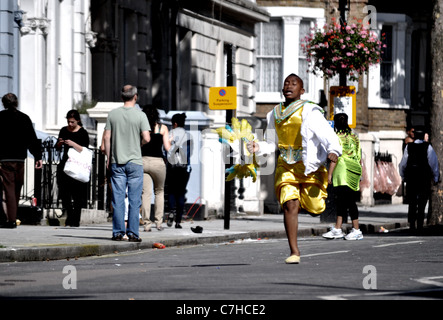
[(290, 181), (239, 133)]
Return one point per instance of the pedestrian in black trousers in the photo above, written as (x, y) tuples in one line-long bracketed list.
[(73, 193), (418, 168), (17, 136)]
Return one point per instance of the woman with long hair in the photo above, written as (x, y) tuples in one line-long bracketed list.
[(154, 169)]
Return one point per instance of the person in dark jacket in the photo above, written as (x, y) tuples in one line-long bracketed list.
[(17, 136), (418, 168)]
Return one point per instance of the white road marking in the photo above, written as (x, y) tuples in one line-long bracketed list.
[(430, 280), (397, 243), (323, 253), (374, 294)]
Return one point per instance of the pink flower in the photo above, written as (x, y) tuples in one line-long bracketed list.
[(344, 53)]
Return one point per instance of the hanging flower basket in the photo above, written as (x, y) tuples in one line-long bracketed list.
[(352, 48)]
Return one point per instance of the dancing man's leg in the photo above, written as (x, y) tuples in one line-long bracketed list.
[(291, 210)]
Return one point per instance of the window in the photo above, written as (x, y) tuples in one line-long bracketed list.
[(389, 81), (386, 67), (269, 48), (279, 52), (305, 30)]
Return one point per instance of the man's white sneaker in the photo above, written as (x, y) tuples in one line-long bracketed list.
[(334, 234), (354, 235)]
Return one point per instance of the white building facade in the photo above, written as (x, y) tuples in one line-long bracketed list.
[(55, 60)]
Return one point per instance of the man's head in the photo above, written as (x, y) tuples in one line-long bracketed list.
[(293, 87), (128, 93), (10, 101), (410, 131)]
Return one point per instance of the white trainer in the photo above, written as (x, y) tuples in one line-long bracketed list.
[(334, 234), (354, 235)]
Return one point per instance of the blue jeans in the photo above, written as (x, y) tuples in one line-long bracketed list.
[(128, 176)]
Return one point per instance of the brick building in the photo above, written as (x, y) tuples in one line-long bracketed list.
[(391, 96)]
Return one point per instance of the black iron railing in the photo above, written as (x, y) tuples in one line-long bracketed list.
[(46, 190)]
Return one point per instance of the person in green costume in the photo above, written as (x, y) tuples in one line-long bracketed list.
[(345, 175)]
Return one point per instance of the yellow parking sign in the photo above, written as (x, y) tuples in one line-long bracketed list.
[(342, 99), (223, 98)]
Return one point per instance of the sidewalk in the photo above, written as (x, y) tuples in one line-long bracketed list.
[(40, 243)]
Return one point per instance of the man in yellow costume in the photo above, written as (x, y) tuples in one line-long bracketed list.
[(298, 129)]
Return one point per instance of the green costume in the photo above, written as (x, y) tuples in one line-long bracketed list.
[(348, 170)]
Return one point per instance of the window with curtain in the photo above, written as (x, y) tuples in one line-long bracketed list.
[(269, 56)]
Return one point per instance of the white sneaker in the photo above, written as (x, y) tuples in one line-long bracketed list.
[(354, 235), (334, 234)]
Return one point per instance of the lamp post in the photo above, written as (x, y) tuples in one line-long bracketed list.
[(330, 213), (343, 6)]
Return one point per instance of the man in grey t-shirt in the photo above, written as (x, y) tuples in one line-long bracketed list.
[(126, 129)]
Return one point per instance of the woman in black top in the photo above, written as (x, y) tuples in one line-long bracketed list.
[(73, 193), (154, 169)]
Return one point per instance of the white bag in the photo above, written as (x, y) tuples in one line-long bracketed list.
[(177, 155), (79, 164)]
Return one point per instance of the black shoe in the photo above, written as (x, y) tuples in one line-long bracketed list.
[(134, 238), (170, 219), (178, 226), (9, 225), (118, 237), (197, 229)]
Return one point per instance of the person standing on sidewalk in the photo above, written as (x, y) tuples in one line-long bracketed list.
[(127, 128), (179, 169), (154, 169), (17, 136), (418, 167), (72, 192), (305, 140), (345, 178)]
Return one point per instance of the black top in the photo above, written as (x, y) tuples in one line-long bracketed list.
[(80, 137), (17, 136), (154, 147), (418, 165)]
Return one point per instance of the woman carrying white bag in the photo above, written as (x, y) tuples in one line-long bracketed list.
[(74, 140)]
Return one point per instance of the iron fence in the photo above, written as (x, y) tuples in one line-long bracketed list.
[(46, 190)]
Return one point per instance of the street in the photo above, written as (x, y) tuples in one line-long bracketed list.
[(388, 266)]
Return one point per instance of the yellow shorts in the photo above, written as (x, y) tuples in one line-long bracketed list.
[(292, 184)]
